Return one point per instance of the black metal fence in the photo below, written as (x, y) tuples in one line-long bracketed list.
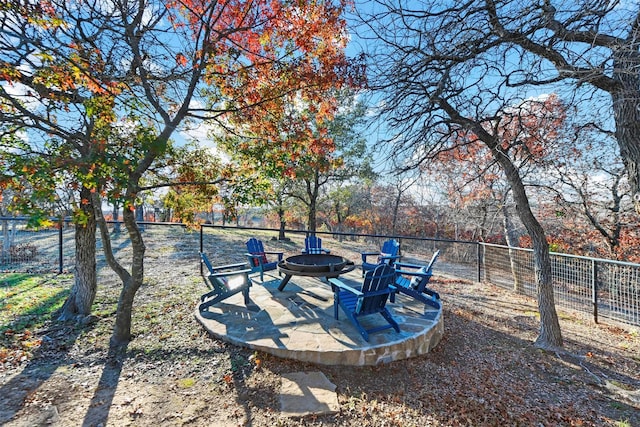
[(596, 288)]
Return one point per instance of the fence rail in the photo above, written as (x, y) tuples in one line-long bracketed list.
[(596, 288)]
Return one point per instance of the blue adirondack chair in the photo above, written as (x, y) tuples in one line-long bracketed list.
[(388, 254), (412, 280), (258, 260), (371, 299), (313, 245), (225, 280)]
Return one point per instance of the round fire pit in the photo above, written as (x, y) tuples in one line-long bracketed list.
[(315, 263)]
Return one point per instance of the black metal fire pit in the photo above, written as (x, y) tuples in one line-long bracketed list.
[(317, 263), (313, 265)]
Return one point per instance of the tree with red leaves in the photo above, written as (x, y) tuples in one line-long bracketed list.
[(110, 82)]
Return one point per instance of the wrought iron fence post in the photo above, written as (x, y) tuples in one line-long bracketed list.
[(594, 289), (201, 248), (60, 254)]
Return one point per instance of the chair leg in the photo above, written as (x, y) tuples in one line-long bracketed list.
[(385, 313), (220, 296), (210, 294), (357, 324), (212, 301)]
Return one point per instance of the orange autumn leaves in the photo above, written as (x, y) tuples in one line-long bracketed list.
[(279, 81), (526, 133)]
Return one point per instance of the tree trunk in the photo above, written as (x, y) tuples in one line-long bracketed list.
[(313, 187), (131, 281), (512, 242), (85, 285), (116, 218), (628, 137), (396, 209), (122, 328), (283, 224), (626, 113), (312, 217), (550, 335)]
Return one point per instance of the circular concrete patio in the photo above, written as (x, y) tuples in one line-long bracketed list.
[(298, 323)]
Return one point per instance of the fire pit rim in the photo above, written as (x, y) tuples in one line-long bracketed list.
[(328, 267)]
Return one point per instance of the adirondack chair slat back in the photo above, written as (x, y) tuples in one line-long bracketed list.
[(256, 247), (376, 280), (419, 283), (390, 247), (313, 245), (433, 260)]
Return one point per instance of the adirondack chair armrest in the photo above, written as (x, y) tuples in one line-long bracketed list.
[(230, 273), (391, 289), (389, 257), (367, 254), (343, 286), (256, 256), (280, 254), (217, 268), (407, 265), (414, 273)]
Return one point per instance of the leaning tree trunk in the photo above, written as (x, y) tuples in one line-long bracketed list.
[(131, 281), (122, 328), (83, 291), (550, 335)]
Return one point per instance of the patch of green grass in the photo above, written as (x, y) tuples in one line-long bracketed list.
[(27, 303), (617, 405), (238, 363), (29, 300), (11, 280), (562, 315), (186, 382)]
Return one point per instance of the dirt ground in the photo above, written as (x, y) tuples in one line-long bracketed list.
[(485, 371)]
